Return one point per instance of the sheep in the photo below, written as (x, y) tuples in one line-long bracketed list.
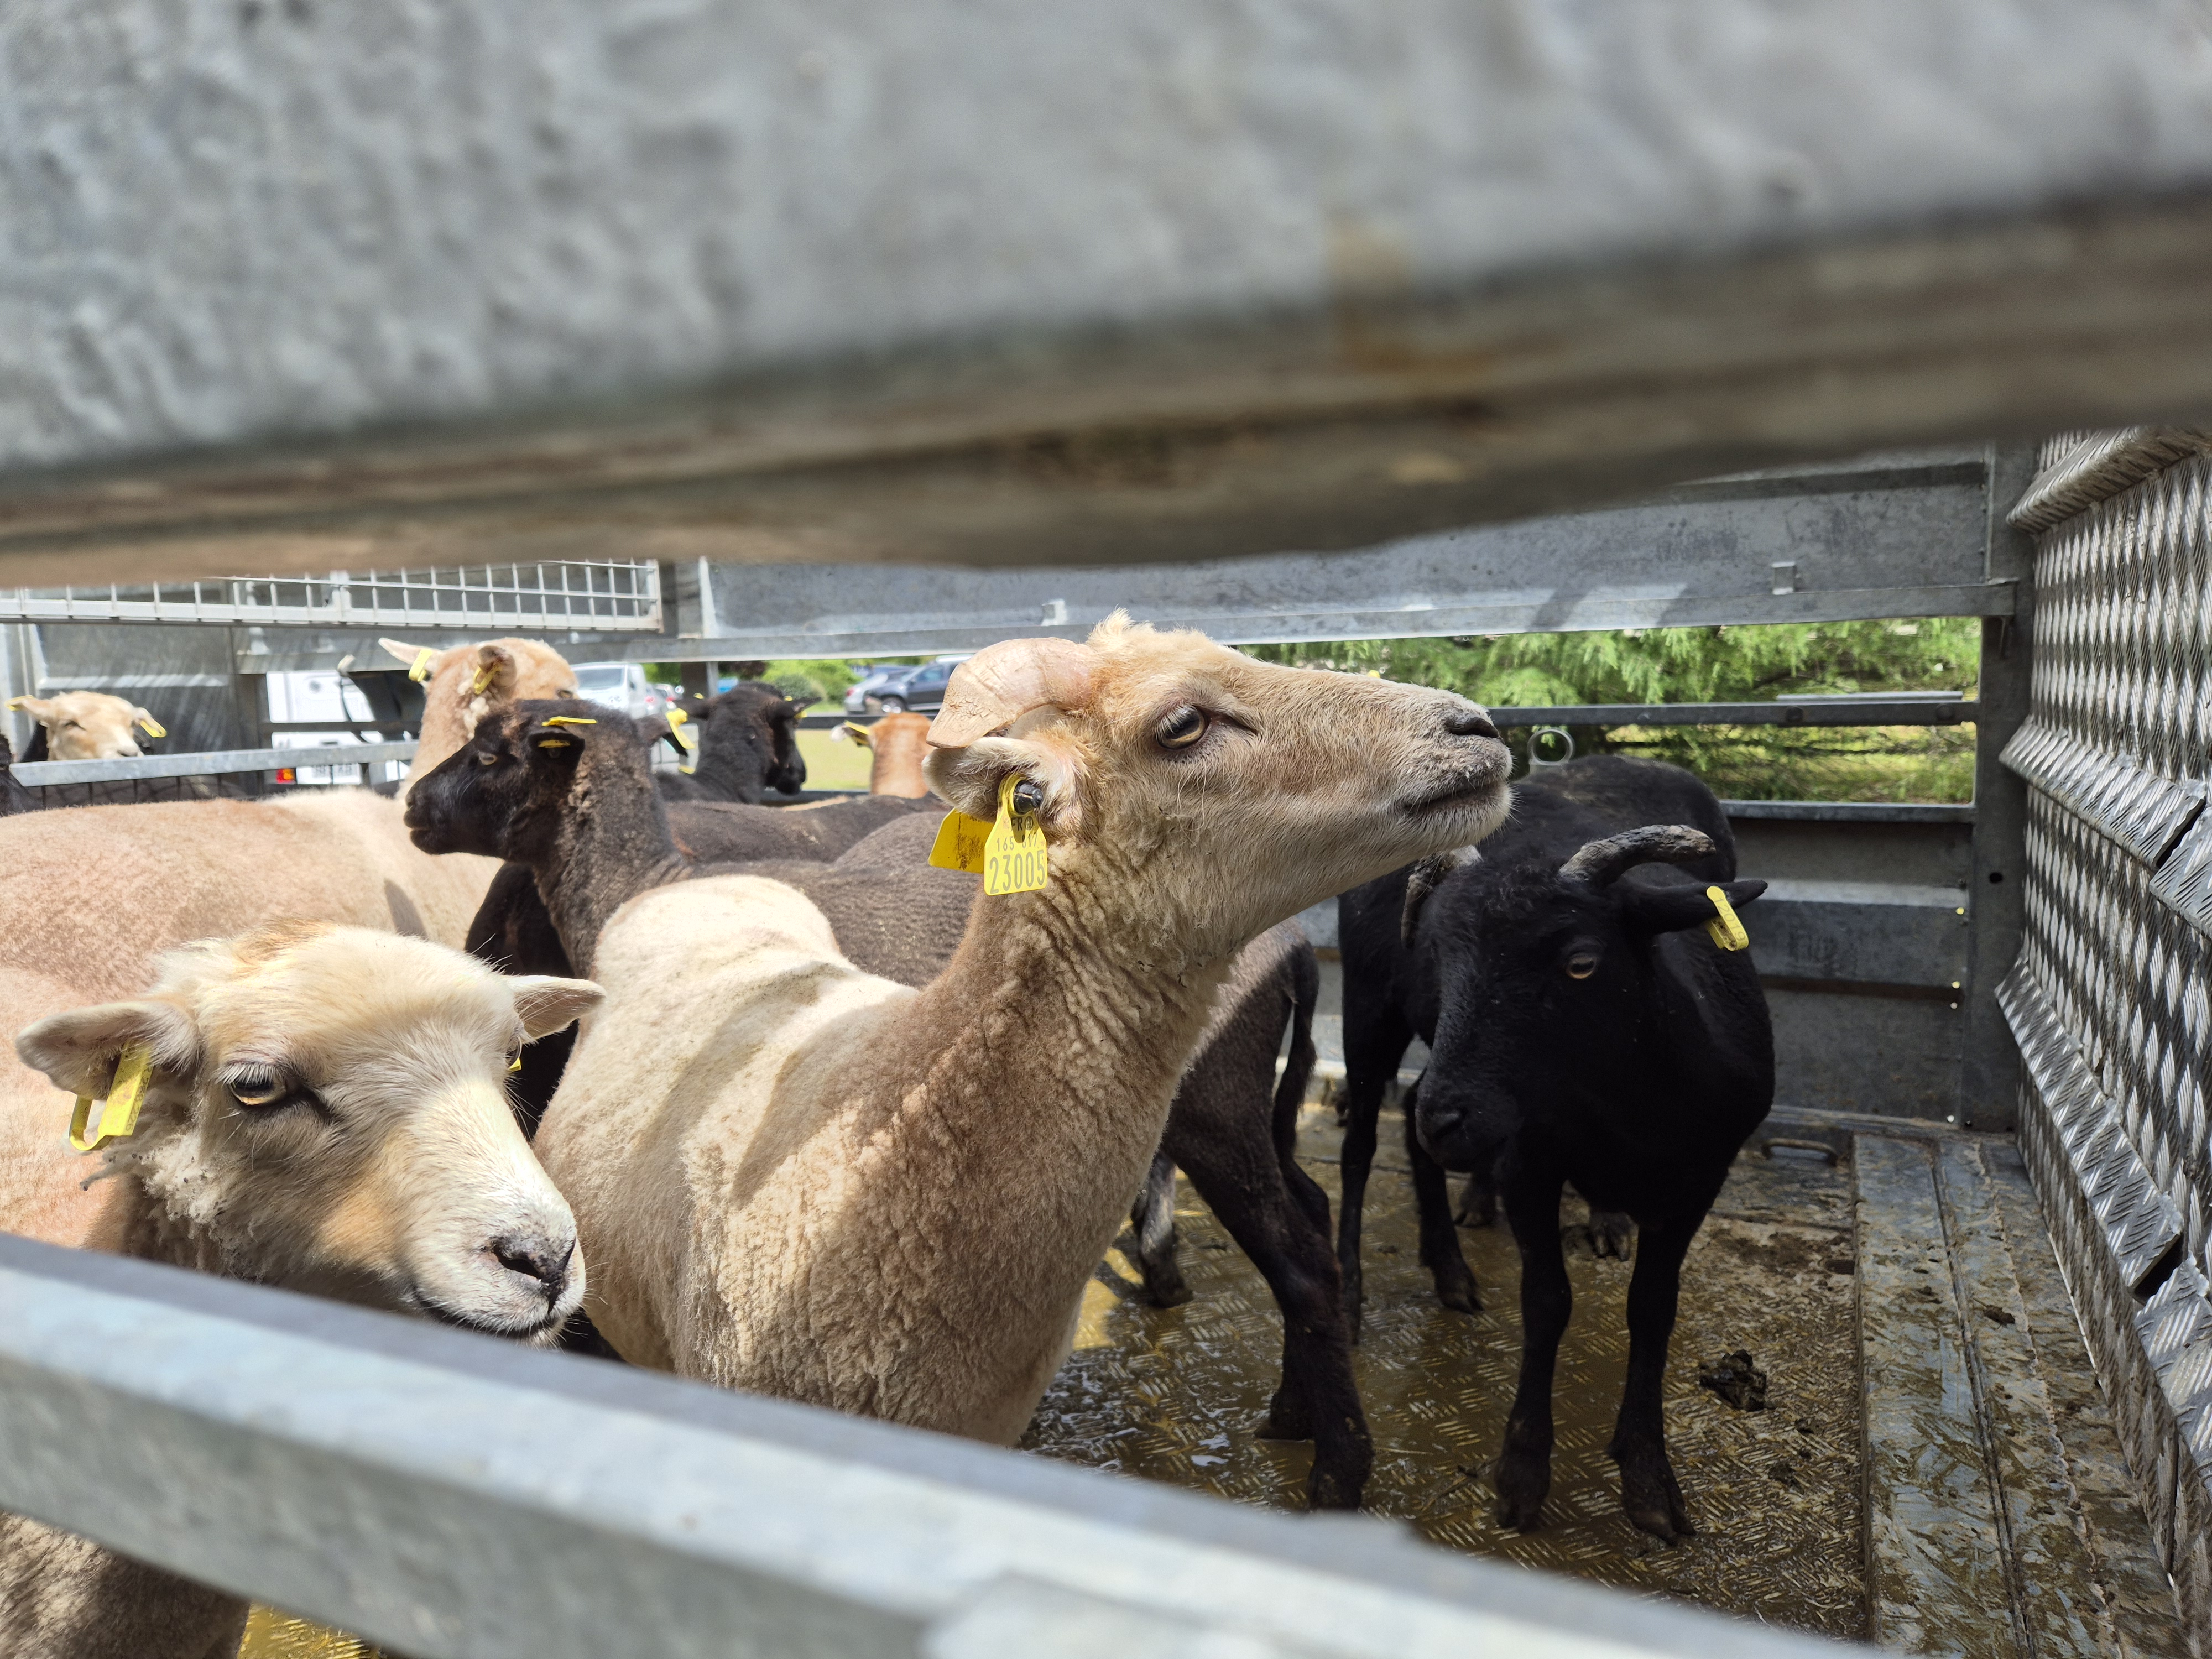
[(750, 1119), (748, 744), (324, 1110), (1584, 1028), (463, 683), (898, 742), (587, 826), (85, 726), (96, 892)]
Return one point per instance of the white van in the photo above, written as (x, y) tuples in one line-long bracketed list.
[(619, 685)]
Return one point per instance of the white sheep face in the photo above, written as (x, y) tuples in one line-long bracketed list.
[(1230, 792), (329, 1113)]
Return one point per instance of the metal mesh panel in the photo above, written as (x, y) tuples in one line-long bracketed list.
[(603, 595)]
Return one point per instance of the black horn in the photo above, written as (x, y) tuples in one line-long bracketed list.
[(1601, 863), (1427, 876)]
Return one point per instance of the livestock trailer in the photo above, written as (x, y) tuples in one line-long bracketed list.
[(716, 331)]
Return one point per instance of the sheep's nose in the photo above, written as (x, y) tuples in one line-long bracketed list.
[(1470, 722), (537, 1258)]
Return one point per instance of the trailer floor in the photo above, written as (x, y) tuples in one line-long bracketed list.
[(1784, 1499)]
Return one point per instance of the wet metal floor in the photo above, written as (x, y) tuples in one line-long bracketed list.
[(1175, 1394)]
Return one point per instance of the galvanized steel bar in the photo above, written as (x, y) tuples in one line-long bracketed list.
[(916, 286), (212, 764), (455, 1498)]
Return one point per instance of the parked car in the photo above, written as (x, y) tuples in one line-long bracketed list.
[(621, 685), (871, 679), (920, 688)]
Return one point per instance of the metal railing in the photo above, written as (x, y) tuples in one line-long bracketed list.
[(600, 595), (453, 1496)]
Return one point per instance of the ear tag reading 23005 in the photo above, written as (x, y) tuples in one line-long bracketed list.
[(1010, 854), (1726, 928), (118, 1118)]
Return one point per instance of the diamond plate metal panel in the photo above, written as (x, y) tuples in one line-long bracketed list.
[(2109, 999), (2139, 1224), (2142, 812)]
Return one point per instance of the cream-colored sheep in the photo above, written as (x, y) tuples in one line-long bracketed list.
[(326, 1110), (96, 893), (796, 1178), (89, 725), (463, 683)]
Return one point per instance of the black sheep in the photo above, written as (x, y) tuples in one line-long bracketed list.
[(587, 830), (1585, 1028), (748, 747)]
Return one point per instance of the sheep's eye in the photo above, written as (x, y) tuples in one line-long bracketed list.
[(1582, 964), (259, 1087), (1183, 728), (487, 757)]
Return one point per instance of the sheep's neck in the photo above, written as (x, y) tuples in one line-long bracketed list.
[(609, 844), (1040, 1067)]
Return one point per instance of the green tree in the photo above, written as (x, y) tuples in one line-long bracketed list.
[(1717, 664)]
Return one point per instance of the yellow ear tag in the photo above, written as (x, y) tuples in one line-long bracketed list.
[(1014, 859), (517, 1066), (17, 702), (683, 740), (118, 1118), (959, 844), (483, 678), (154, 728), (1726, 928), (421, 670), (569, 719)]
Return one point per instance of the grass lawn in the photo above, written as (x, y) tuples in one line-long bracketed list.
[(832, 760)]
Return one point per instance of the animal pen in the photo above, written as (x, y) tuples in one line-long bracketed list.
[(1072, 366)]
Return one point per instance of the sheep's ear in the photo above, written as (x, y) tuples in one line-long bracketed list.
[(853, 731), (41, 710), (1426, 877), (77, 1049), (1669, 908), (969, 778), (494, 662), (546, 1005), (404, 652)]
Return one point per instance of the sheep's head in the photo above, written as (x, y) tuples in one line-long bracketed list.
[(1220, 794), (467, 681), (89, 725), (748, 737), (328, 1111), (506, 791), (899, 743)]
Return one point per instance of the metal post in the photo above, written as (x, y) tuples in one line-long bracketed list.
[(1988, 1089)]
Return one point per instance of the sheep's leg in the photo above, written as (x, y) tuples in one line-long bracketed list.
[(1372, 1051), (1649, 1490), (1318, 1399), (1151, 1218), (1478, 1200), (1440, 1251), (1524, 1467)]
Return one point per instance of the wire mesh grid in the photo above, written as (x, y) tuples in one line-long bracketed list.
[(602, 595)]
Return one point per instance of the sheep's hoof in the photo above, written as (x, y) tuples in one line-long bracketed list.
[(1612, 1234), (1329, 1490), (1652, 1497), (1523, 1480), (1457, 1293), (1167, 1296)]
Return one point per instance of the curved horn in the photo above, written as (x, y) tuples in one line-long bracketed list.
[(1429, 875), (1602, 862), (1001, 683)]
